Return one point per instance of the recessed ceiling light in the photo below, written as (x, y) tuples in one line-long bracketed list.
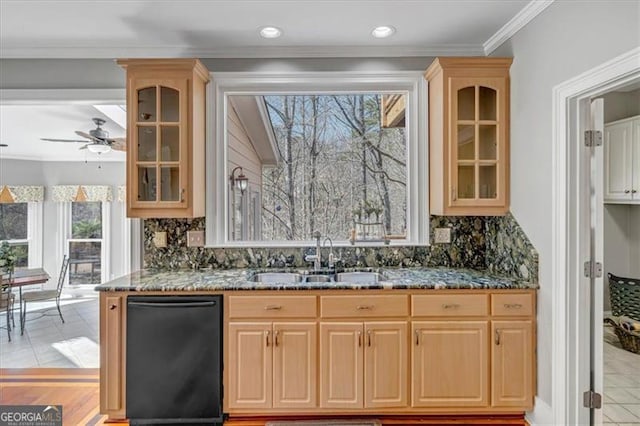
[(270, 32), (383, 31)]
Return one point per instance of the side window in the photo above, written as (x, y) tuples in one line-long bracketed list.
[(85, 244), (14, 228)]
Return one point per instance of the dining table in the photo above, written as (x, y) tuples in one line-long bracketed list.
[(22, 277)]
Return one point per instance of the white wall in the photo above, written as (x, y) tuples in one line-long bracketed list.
[(619, 105), (565, 40), (49, 173)]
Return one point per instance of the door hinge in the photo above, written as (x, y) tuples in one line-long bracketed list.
[(592, 138), (592, 399), (592, 269)]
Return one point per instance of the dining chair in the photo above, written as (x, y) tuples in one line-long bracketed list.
[(44, 295), (7, 300)]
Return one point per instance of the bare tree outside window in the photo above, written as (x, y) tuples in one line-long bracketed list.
[(14, 220), (85, 244), (338, 169)]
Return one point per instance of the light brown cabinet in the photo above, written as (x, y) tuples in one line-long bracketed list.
[(512, 364), (112, 355), (450, 364), (165, 137), (272, 365), (363, 365), (469, 136)]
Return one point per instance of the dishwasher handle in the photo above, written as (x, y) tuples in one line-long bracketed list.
[(173, 304)]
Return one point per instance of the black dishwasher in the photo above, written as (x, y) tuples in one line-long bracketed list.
[(174, 360)]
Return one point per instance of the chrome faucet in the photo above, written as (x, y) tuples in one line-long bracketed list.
[(316, 258), (331, 258)]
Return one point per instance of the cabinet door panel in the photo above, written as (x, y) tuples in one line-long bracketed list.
[(250, 365), (450, 364), (341, 365), (112, 337), (617, 155), (294, 365), (512, 368), (385, 364)]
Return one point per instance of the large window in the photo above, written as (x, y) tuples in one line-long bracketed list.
[(338, 154), (85, 244), (14, 228)]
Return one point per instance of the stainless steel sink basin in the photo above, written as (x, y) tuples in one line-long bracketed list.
[(360, 277), (276, 277), (318, 278)]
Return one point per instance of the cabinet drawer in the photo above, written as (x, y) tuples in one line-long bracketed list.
[(272, 306), (364, 306), (519, 304), (449, 305)]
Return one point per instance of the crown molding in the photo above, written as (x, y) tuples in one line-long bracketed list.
[(84, 52), (62, 96), (515, 24)]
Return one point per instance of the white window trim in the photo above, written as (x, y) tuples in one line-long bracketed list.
[(34, 234), (64, 230), (230, 83)]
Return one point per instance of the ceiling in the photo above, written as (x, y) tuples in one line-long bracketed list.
[(22, 126), (227, 29)]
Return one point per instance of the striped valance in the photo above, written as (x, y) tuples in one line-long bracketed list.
[(122, 195), (79, 193), (21, 194)]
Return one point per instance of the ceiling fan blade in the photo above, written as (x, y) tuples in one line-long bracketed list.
[(88, 136), (62, 140), (119, 144)]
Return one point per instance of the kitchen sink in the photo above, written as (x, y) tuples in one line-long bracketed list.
[(360, 277), (318, 278), (277, 277)]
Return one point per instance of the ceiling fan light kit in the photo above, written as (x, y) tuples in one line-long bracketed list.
[(99, 140)]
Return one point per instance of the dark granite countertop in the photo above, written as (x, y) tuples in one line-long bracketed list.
[(239, 279)]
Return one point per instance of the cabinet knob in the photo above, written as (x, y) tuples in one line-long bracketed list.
[(451, 306), (182, 195), (513, 305), (368, 337), (497, 337), (112, 307), (633, 191), (626, 191), (272, 308), (275, 338), (359, 338), (266, 333), (364, 307), (417, 333)]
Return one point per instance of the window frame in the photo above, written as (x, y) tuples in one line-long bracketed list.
[(225, 84), (34, 229), (105, 249)]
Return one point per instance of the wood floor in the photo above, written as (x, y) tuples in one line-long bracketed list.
[(78, 391)]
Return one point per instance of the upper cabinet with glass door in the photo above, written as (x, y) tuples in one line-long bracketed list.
[(165, 137), (469, 136)]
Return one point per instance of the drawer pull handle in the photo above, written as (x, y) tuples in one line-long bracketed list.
[(266, 333), (275, 338), (513, 305), (112, 307), (359, 338), (417, 333), (369, 338), (364, 307), (451, 306), (497, 337), (272, 307)]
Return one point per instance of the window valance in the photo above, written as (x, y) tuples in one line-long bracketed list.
[(80, 193), (21, 193)]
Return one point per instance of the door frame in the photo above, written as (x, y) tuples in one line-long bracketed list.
[(570, 221)]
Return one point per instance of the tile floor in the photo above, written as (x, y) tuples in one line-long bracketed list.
[(621, 383), (47, 342)]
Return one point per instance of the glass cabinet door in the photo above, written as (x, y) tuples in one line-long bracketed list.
[(158, 152), (476, 127)]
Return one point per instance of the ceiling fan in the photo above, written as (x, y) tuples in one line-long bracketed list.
[(99, 140)]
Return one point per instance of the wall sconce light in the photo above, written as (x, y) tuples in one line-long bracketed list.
[(241, 181)]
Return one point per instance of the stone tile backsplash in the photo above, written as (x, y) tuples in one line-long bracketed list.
[(494, 243)]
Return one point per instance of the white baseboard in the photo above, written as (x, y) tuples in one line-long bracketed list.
[(542, 414)]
